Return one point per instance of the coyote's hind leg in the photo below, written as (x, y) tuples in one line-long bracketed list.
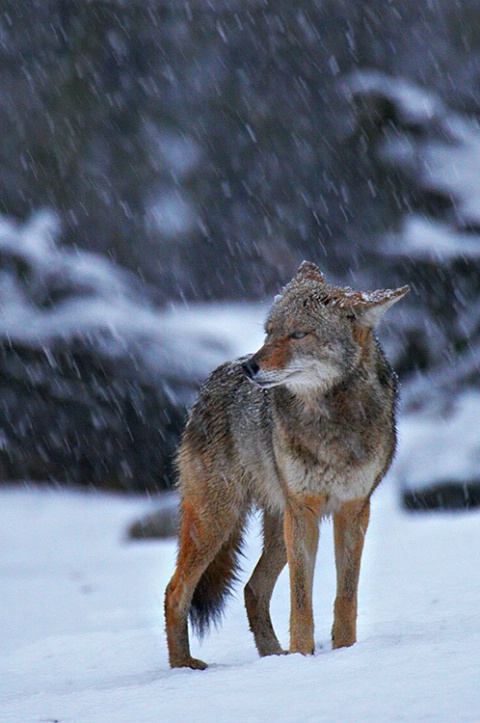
[(259, 588), (197, 548)]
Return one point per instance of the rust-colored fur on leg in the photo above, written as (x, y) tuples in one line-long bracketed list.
[(202, 552), (350, 526), (195, 553), (301, 538)]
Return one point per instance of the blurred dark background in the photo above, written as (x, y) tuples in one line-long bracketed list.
[(203, 149)]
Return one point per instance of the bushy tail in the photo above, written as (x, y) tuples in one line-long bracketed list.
[(216, 584)]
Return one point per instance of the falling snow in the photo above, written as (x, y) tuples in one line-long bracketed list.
[(165, 169)]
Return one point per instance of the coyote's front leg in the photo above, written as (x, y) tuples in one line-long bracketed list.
[(350, 526), (301, 539)]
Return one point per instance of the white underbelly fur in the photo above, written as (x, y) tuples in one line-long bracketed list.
[(338, 485)]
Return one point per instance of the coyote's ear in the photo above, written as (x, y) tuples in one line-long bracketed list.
[(309, 272), (370, 307)]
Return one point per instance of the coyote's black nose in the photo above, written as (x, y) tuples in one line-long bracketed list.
[(250, 368)]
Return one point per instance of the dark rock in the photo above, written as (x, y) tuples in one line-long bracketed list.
[(161, 524), (443, 496), (72, 415)]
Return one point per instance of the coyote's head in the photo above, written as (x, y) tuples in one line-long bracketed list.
[(316, 333)]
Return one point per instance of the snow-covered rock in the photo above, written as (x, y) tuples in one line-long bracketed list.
[(94, 378)]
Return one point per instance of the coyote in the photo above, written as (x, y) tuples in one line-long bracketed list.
[(303, 429)]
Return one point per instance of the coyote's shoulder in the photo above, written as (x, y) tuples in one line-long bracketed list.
[(303, 428)]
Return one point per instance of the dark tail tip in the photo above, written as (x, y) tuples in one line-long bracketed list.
[(215, 586)]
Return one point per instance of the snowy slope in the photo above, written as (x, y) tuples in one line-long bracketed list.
[(82, 640)]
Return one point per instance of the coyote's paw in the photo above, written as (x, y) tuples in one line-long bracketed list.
[(189, 662), (343, 638), (277, 651)]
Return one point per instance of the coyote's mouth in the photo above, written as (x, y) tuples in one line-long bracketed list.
[(263, 384), (270, 383)]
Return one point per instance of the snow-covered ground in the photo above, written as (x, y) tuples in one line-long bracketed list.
[(82, 638)]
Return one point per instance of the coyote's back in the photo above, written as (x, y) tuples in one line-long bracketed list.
[(302, 429)]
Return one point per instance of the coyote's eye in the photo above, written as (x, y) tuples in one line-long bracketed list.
[(298, 334)]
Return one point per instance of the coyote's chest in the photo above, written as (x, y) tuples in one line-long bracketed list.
[(339, 483), (340, 463)]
